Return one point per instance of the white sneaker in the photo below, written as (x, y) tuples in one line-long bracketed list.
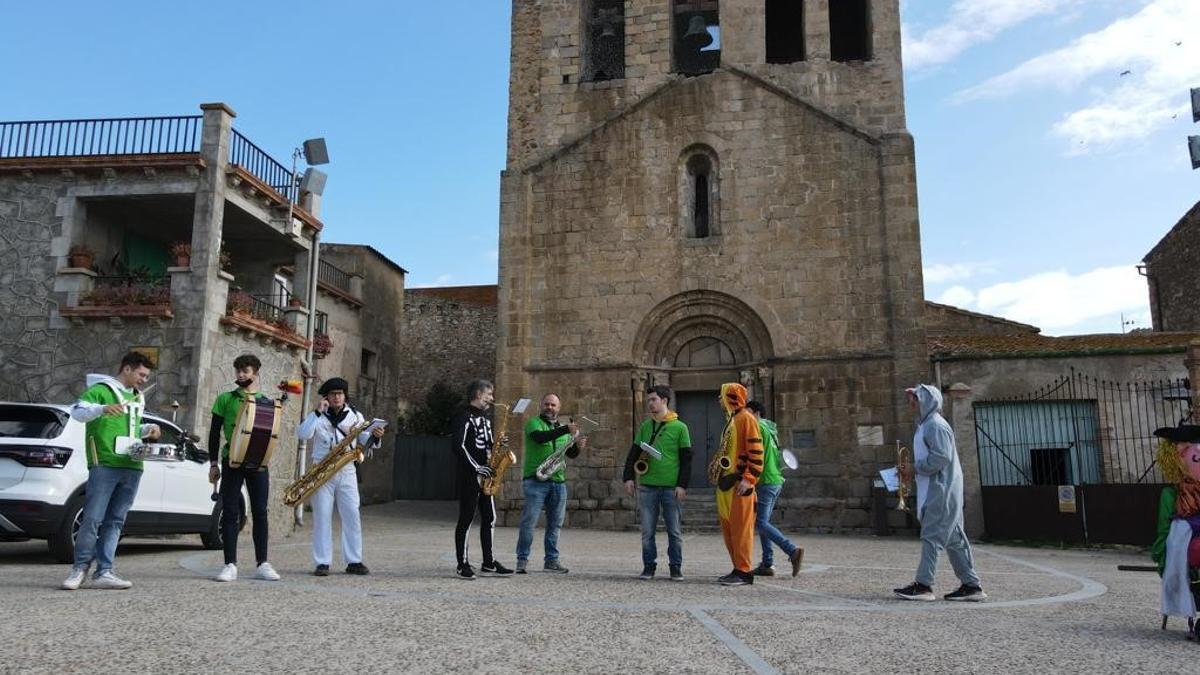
[(108, 580), (266, 572), (77, 576), (227, 573)]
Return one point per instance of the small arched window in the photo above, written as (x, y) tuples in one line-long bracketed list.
[(699, 193), (704, 352)]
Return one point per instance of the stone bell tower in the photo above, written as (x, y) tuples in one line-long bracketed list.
[(704, 191)]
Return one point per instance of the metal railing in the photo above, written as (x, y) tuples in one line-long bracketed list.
[(1078, 430), (332, 275), (255, 160), (84, 138)]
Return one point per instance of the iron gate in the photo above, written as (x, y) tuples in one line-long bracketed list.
[(1092, 435), (424, 468)]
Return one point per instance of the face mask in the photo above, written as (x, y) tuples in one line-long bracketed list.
[(242, 384)]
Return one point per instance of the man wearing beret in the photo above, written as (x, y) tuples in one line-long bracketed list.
[(326, 427)]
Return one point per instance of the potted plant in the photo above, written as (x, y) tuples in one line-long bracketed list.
[(295, 301), (225, 260), (322, 345), (239, 302), (181, 253), (81, 255)]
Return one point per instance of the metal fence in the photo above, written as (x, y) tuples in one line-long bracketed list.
[(332, 275), (83, 138), (255, 160), (1078, 430)]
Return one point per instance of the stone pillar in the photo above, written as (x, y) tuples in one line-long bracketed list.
[(961, 416), (206, 301), (816, 30)]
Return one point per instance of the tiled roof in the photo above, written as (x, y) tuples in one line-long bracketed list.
[(1023, 327), (948, 347)]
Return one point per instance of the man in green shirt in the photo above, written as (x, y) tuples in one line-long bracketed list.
[(112, 409), (770, 484), (225, 412), (664, 483), (545, 435)]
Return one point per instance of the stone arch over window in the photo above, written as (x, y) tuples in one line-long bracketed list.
[(704, 352), (699, 192), (604, 40), (688, 323)]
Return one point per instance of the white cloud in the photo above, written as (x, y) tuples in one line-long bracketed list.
[(971, 22), (941, 273), (1058, 300), (1157, 48), (957, 296), (441, 280)]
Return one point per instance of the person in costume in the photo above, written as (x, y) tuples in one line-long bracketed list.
[(939, 501), (742, 445), (474, 443), (662, 487), (1176, 548), (112, 409), (327, 426)]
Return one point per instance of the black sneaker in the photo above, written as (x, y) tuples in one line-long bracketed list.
[(465, 571), (676, 573), (554, 566), (521, 567), (494, 569), (647, 573), (321, 571), (763, 571), (967, 593), (357, 568), (736, 578), (915, 591)]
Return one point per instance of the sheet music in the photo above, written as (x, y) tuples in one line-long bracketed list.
[(586, 425), (891, 479), (520, 406), (375, 424)]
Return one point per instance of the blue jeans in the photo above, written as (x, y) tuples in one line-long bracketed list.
[(651, 500), (109, 494), (538, 495), (768, 533)]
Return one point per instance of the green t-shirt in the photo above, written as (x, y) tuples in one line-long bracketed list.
[(102, 432), (668, 438), (536, 453), (229, 406), (772, 455), (1166, 512)]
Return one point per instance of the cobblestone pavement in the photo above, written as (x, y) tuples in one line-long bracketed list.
[(1049, 610)]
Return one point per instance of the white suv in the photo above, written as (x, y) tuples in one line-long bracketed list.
[(43, 473)]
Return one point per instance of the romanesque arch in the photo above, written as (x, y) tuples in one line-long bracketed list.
[(683, 318)]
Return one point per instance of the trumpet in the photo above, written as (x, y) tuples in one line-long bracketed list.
[(903, 464), (649, 453)]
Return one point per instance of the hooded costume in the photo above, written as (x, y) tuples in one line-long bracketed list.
[(1176, 548), (939, 482), (742, 445)]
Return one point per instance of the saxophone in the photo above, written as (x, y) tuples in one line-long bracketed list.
[(501, 457), (339, 456), (556, 461), (720, 462)]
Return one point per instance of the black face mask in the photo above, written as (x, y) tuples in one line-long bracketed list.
[(242, 384)]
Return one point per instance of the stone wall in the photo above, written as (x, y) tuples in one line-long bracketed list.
[(375, 385), (1170, 271), (946, 320), (449, 338), (811, 280)]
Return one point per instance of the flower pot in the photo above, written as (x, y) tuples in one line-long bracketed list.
[(295, 302), (182, 261), (82, 260)]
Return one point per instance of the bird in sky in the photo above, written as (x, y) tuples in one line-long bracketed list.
[(1126, 72)]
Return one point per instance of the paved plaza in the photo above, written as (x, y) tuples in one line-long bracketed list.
[(1049, 610)]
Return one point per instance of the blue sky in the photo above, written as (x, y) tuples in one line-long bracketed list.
[(1045, 175)]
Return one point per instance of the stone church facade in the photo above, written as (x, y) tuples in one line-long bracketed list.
[(699, 192)]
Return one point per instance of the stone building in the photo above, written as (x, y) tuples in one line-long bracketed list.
[(449, 339), (1170, 270), (167, 235), (699, 192)]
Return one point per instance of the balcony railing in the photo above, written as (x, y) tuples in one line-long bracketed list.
[(258, 163), (84, 138), (334, 276)]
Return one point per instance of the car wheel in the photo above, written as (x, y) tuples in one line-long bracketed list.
[(62, 541)]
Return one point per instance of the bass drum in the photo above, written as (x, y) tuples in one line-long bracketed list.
[(256, 433)]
